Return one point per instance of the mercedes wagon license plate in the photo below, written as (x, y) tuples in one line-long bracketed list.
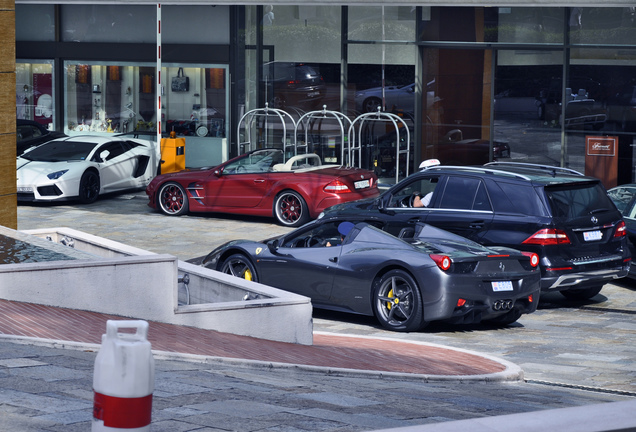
[(502, 286), (592, 235), (361, 184)]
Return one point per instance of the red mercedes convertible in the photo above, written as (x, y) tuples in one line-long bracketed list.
[(262, 183)]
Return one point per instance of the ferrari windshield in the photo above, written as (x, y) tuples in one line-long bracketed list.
[(59, 151)]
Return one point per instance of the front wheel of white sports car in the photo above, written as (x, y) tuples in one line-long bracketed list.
[(397, 302), (89, 187), (172, 199)]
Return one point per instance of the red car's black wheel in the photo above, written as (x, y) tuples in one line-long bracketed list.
[(290, 209), (172, 199), (397, 302)]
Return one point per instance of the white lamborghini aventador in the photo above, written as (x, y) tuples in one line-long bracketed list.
[(82, 167)]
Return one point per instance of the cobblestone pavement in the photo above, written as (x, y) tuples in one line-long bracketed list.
[(49, 389), (572, 353)]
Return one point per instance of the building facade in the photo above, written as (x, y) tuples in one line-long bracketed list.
[(472, 83)]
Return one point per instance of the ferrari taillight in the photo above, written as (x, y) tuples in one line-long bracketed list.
[(534, 258), (442, 261), (547, 237), (621, 229), (337, 186)]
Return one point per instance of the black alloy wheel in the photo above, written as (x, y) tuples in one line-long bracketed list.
[(397, 302), (240, 266), (89, 187)]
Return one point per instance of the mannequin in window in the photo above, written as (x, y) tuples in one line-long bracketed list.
[(268, 18)]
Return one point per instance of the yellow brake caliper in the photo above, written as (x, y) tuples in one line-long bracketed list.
[(247, 275), (391, 303)]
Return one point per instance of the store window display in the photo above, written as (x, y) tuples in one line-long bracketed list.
[(195, 101), (119, 98), (34, 93), (109, 98)]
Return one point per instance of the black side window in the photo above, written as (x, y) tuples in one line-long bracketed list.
[(115, 149), (465, 193), (517, 198), (422, 185)]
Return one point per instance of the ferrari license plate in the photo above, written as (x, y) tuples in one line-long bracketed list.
[(361, 184), (592, 235), (502, 286)]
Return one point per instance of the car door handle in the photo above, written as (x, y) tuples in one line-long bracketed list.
[(477, 224), (259, 181), (333, 259)]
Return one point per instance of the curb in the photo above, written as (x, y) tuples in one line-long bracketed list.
[(512, 372)]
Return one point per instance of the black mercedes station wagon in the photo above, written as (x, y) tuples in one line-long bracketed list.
[(563, 216)]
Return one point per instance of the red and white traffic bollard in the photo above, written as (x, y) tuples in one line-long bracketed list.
[(124, 379)]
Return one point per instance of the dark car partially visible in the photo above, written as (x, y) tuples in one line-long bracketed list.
[(624, 196), (293, 84), (30, 133)]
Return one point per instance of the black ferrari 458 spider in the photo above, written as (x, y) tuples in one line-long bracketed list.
[(423, 275)]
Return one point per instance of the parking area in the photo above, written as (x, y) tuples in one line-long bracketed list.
[(585, 345)]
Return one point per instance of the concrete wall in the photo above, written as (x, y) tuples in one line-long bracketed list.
[(112, 278)]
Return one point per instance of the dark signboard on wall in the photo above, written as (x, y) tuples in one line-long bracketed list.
[(601, 159)]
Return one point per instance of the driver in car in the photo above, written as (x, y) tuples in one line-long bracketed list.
[(419, 201), (344, 228)]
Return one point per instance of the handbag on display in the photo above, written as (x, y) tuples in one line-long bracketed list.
[(180, 83)]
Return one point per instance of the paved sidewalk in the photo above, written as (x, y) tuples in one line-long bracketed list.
[(330, 352)]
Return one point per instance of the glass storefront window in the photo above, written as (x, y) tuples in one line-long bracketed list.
[(382, 23), (34, 94), (296, 76), (35, 22), (209, 24), (108, 23), (109, 98), (196, 105), (602, 25), (456, 128), (525, 25), (528, 105), (120, 98)]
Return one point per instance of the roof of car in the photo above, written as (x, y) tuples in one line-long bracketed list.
[(543, 174)]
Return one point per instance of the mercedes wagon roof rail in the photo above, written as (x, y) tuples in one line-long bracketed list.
[(552, 169), (477, 169)]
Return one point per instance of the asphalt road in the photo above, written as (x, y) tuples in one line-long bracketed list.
[(565, 344)]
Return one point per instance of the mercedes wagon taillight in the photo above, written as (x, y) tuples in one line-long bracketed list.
[(621, 229), (547, 237)]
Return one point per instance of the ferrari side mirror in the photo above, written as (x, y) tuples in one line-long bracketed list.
[(272, 246)]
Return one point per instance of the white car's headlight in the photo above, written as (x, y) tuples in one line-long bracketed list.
[(56, 175)]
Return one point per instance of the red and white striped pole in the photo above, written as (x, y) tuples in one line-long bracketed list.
[(159, 83), (124, 379)]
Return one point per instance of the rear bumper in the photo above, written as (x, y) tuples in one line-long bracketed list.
[(582, 279)]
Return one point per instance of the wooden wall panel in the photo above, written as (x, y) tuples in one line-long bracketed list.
[(8, 202)]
